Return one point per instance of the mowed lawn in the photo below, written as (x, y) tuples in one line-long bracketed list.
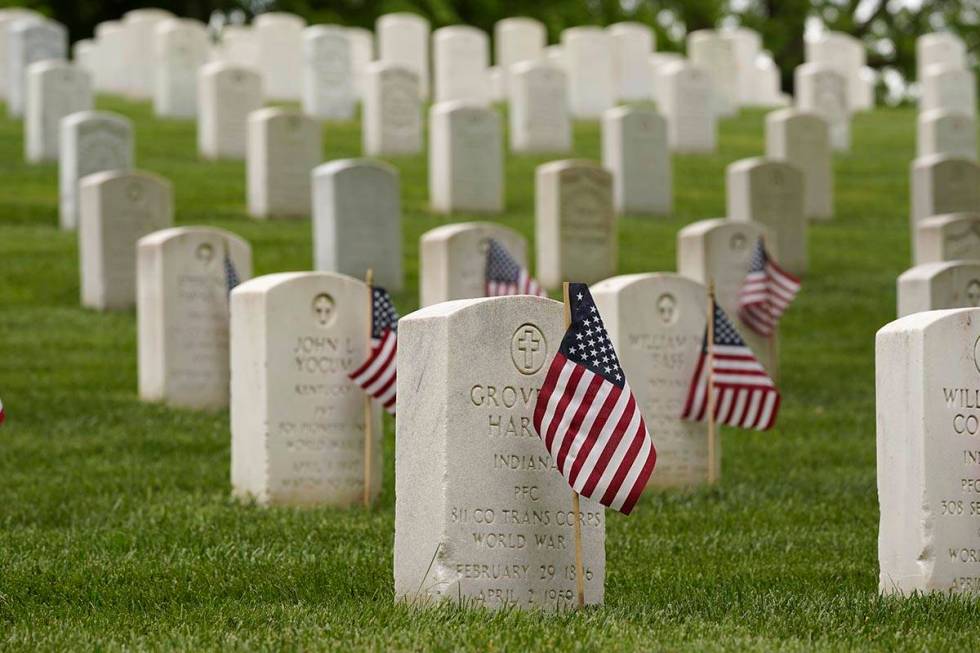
[(117, 529)]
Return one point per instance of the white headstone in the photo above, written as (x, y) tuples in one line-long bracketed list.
[(843, 53), (452, 259), (182, 313), (116, 209), (692, 124), (950, 88), (498, 92), (29, 41), (466, 159), (55, 89), (239, 46), (138, 69), (328, 73), (803, 139), (939, 48), (867, 81), (588, 56), (297, 420), (632, 44), (8, 17), (83, 55), (942, 184), (516, 40), (822, 90), (403, 40), (934, 286), (227, 94), (634, 149), (746, 45), (950, 237), (658, 83), (481, 512), (361, 54), (279, 36), (767, 85), (656, 324), (182, 47), (461, 59), (771, 193), (112, 40), (575, 227), (283, 148), (392, 115), (357, 220), (710, 51), (947, 132), (539, 120), (91, 141)]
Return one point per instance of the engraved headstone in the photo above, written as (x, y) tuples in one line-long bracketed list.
[(482, 514), (403, 40), (632, 44), (710, 51), (116, 209), (947, 132), (950, 88), (927, 371), (452, 259), (574, 223), (843, 53), (516, 40), (227, 94), (686, 102), (29, 41), (297, 420), (392, 116), (279, 36), (328, 73), (803, 139), (466, 160), (283, 148), (656, 324), (182, 313), (822, 90), (942, 184), (634, 149), (182, 47), (461, 60), (951, 237), (933, 286), (357, 220), (539, 120), (588, 57), (771, 193), (55, 89), (939, 48)]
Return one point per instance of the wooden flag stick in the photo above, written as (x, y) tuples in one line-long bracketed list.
[(368, 421), (579, 567), (712, 435)]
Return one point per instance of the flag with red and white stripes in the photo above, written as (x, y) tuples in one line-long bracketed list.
[(3, 415), (587, 416), (744, 395), (766, 292), (505, 276), (377, 375)]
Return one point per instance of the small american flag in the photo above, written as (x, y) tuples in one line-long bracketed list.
[(377, 375), (587, 415), (505, 276), (231, 274), (744, 395), (3, 415), (765, 293)]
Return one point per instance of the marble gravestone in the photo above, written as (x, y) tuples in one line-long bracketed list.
[(588, 56), (182, 288), (482, 514), (279, 36), (942, 184), (938, 48), (137, 69), (466, 159), (746, 46), (461, 59), (227, 95), (686, 102), (933, 286), (803, 140), (822, 90), (357, 220), (709, 50), (950, 237), (116, 209), (328, 73), (91, 141), (453, 259), (29, 41), (845, 54), (283, 148), (539, 120), (8, 17), (238, 45), (83, 54), (947, 132), (361, 54), (574, 223), (771, 193), (951, 88), (403, 40), (635, 151), (927, 373), (656, 323), (720, 251), (658, 82), (297, 420), (516, 40), (392, 112), (632, 44), (55, 89), (182, 47), (111, 75)]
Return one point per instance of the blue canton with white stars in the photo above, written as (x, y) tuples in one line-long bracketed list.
[(384, 316), (501, 266), (231, 274), (759, 257), (726, 335), (586, 341)]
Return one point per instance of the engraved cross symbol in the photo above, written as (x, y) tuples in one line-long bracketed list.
[(528, 343)]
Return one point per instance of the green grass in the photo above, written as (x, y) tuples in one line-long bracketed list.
[(117, 530)]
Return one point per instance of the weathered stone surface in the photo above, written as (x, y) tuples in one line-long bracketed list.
[(934, 286), (942, 184), (950, 237), (466, 158), (635, 150), (283, 148)]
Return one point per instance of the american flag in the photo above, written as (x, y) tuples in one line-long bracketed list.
[(765, 293), (2, 414), (377, 374), (505, 276), (231, 274), (744, 395), (587, 415)]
